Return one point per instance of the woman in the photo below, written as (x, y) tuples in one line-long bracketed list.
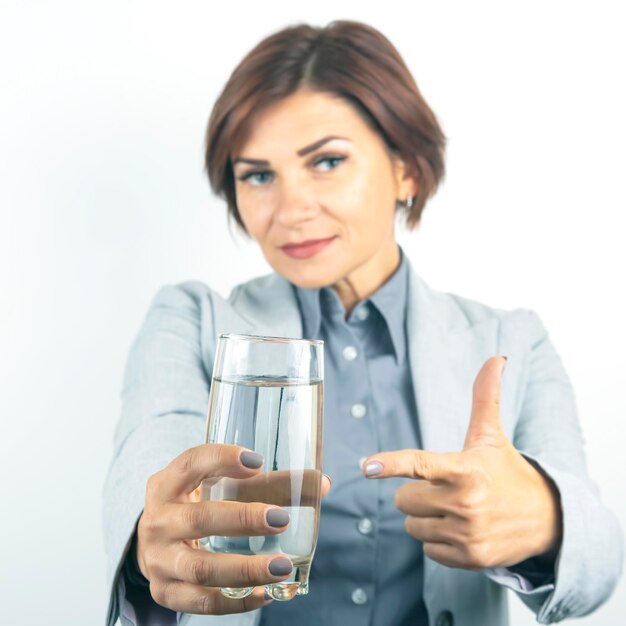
[(318, 140)]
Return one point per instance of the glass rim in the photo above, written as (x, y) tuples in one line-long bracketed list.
[(270, 339)]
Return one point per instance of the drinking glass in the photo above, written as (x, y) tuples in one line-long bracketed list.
[(267, 395)]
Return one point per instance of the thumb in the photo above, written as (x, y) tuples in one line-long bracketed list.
[(485, 427)]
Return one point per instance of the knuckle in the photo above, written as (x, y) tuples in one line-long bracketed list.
[(245, 519), (155, 568), (199, 570), (485, 404), (465, 505), (207, 604), (169, 593), (153, 485), (148, 525), (421, 466), (222, 454), (467, 470), (472, 479), (184, 462), (402, 496), (193, 517), (248, 570), (430, 550), (218, 456), (397, 499), (476, 476), (478, 555), (468, 531), (446, 555), (158, 592), (462, 465), (469, 503)]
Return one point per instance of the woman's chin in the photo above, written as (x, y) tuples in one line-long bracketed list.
[(307, 277)]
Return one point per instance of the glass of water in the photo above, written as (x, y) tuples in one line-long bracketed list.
[(267, 395)]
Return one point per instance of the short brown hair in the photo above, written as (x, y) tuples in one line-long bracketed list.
[(345, 58)]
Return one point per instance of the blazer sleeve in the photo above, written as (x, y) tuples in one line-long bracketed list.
[(164, 402), (547, 432)]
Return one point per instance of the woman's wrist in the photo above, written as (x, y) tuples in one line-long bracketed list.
[(551, 518)]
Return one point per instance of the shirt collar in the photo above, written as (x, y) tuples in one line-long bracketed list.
[(389, 299)]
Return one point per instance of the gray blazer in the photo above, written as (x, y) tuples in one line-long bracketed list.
[(165, 398)]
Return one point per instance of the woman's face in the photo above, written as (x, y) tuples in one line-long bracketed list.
[(327, 176)]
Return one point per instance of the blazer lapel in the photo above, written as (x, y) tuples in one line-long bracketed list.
[(446, 351), (263, 306)]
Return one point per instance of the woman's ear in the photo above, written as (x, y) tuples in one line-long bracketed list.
[(406, 182)]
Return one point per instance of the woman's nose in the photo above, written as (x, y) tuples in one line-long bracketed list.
[(294, 205)]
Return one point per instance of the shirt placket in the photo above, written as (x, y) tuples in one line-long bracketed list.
[(355, 426)]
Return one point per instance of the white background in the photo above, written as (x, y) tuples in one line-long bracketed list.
[(103, 107)]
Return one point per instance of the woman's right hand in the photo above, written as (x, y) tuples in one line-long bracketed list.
[(185, 578)]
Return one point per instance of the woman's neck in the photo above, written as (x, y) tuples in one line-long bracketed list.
[(367, 278)]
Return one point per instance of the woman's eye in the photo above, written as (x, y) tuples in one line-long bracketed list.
[(330, 159), (251, 177)]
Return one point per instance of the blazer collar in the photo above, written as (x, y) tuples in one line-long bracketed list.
[(268, 305)]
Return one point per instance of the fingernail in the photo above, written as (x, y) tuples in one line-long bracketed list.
[(506, 358), (266, 596), (373, 469), (330, 480), (280, 566), (251, 459), (277, 517)]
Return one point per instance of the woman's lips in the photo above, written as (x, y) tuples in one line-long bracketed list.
[(306, 249)]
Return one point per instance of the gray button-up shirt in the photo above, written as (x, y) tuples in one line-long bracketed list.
[(367, 569)]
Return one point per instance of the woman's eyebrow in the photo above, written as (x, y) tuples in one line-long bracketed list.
[(302, 152)]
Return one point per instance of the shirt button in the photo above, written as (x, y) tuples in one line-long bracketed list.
[(349, 353), (362, 313), (358, 410), (359, 596), (365, 526)]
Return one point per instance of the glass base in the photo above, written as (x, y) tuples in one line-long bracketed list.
[(236, 592), (279, 591)]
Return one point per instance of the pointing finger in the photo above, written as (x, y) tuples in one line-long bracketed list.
[(431, 466)]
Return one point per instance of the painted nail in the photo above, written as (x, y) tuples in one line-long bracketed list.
[(277, 517), (250, 459), (280, 566), (373, 469)]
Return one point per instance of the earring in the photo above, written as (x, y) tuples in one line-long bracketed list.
[(409, 202)]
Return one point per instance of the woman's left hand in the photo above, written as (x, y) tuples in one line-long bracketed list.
[(486, 506)]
